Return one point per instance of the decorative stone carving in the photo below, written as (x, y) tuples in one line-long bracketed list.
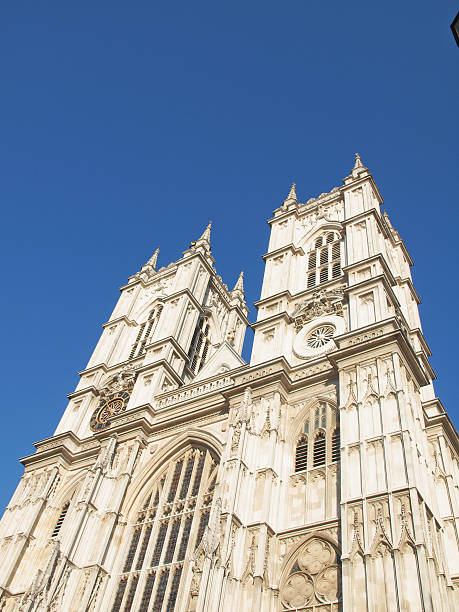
[(321, 303), (327, 584), (316, 556), (297, 591), (121, 381), (211, 537), (314, 577)]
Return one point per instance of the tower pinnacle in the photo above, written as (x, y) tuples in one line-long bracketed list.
[(153, 259), (205, 237), (239, 286), (291, 195), (358, 162)]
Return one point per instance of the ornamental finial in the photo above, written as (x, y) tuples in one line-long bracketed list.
[(358, 162), (292, 193)]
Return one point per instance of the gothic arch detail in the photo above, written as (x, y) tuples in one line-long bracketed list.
[(313, 578), (171, 516)]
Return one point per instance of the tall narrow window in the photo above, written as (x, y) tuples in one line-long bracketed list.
[(169, 527), (301, 456), (335, 445), (319, 450), (60, 520), (146, 331), (324, 260), (199, 347)]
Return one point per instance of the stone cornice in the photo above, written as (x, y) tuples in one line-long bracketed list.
[(338, 282), (80, 392), (65, 446), (301, 209), (272, 298), (409, 282), (369, 260), (372, 337), (192, 391), (374, 280), (350, 182), (189, 295), (122, 319), (154, 365), (371, 212), (296, 250), (273, 319), (161, 273), (439, 419), (306, 529), (170, 340), (94, 369)]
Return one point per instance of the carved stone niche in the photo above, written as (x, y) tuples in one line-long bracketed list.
[(321, 303), (313, 578)]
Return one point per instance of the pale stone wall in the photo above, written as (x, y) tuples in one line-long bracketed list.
[(321, 476)]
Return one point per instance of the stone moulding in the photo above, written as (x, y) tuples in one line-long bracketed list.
[(192, 392)]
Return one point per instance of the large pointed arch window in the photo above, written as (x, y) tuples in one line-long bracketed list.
[(167, 530), (146, 331), (324, 259)]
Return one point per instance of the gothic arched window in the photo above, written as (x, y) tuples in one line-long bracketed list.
[(319, 437), (146, 331), (199, 345), (167, 530), (324, 260)]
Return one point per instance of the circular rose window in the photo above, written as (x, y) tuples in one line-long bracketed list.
[(316, 338), (320, 336)]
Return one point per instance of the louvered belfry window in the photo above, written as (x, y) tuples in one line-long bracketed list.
[(324, 260), (60, 520), (200, 345), (301, 455), (319, 450), (319, 442), (146, 331), (336, 453), (167, 530)]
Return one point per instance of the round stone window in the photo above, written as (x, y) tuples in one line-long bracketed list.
[(320, 336), (316, 338)]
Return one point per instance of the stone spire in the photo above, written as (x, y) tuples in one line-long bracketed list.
[(149, 269), (291, 198), (153, 259), (206, 233), (205, 238), (239, 286), (358, 171), (357, 163)]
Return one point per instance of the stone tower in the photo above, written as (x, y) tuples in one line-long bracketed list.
[(321, 476)]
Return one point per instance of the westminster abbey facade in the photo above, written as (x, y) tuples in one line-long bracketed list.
[(320, 477)]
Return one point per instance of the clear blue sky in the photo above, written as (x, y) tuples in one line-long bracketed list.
[(127, 125)]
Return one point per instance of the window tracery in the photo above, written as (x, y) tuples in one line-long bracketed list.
[(322, 445), (313, 582), (168, 528), (324, 261)]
